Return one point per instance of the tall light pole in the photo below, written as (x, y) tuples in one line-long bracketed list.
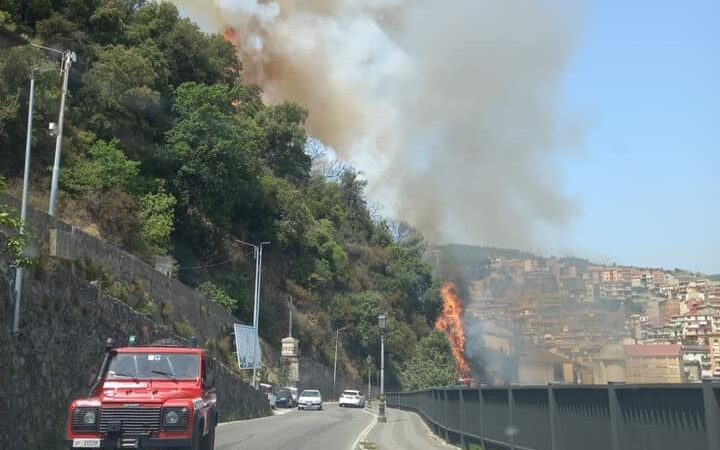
[(381, 408), (68, 58), (26, 185), (337, 338), (290, 312), (368, 360), (258, 251)]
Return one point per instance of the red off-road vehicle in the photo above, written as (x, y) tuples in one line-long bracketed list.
[(148, 397)]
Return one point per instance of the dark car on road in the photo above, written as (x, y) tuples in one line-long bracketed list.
[(284, 399)]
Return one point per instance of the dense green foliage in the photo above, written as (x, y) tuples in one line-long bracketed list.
[(218, 296), (168, 152), (431, 365), (9, 223)]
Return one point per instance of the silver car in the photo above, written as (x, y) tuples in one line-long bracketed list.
[(310, 399)]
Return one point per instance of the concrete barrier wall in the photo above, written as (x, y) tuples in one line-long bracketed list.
[(208, 319)]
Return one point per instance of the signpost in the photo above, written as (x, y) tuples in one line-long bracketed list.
[(247, 347)]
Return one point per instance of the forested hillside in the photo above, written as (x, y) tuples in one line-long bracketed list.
[(168, 152)]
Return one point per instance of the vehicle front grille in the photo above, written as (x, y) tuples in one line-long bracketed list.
[(130, 420)]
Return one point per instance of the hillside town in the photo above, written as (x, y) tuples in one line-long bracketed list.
[(567, 320)]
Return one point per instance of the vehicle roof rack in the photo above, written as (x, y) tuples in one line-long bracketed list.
[(166, 342)]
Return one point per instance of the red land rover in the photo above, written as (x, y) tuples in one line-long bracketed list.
[(148, 397)]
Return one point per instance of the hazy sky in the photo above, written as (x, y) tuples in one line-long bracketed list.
[(645, 82)]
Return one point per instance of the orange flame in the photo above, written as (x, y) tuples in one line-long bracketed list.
[(450, 323), (230, 35)]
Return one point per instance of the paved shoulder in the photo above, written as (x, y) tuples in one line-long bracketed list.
[(404, 431), (333, 428)]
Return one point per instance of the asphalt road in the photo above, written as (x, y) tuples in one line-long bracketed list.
[(404, 430), (333, 428)]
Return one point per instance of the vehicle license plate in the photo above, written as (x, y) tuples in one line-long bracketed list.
[(86, 443)]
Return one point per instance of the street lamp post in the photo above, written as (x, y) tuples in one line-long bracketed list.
[(381, 408), (26, 186), (368, 360), (256, 309), (337, 338)]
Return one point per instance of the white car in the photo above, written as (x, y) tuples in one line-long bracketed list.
[(352, 398), (310, 399)]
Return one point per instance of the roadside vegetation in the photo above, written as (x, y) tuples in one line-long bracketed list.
[(168, 153)]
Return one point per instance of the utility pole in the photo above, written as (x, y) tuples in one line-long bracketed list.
[(337, 338), (68, 58)]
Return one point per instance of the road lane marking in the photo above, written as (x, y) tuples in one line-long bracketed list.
[(363, 434)]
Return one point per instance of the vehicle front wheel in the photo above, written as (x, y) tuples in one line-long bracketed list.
[(208, 441)]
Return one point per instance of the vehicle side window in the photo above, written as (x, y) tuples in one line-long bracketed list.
[(205, 370)]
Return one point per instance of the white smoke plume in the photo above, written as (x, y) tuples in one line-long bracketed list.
[(448, 107)]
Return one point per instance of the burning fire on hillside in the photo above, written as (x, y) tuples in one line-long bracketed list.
[(450, 323), (230, 35)]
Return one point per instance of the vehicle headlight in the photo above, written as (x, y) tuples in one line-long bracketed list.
[(171, 418), (89, 417), (175, 418), (84, 419)]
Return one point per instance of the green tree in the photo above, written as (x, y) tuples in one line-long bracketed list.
[(432, 364), (285, 141), (332, 264), (9, 224), (157, 211), (216, 152), (121, 100), (104, 167), (15, 67), (218, 295), (192, 55)]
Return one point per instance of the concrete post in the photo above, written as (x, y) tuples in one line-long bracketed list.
[(552, 407), (712, 415), (462, 418), (445, 414), (615, 413)]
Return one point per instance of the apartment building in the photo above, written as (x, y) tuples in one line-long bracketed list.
[(661, 363)]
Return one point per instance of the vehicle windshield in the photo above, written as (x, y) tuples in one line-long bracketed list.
[(154, 366), (351, 393), (310, 394)]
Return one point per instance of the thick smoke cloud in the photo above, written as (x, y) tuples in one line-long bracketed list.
[(448, 107)]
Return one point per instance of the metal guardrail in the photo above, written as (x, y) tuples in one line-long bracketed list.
[(572, 417)]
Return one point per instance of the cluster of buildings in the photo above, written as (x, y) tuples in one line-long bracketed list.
[(566, 320)]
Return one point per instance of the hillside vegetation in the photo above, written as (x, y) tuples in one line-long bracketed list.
[(168, 152)]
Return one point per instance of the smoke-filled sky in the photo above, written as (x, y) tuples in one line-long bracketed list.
[(447, 107), (533, 124)]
